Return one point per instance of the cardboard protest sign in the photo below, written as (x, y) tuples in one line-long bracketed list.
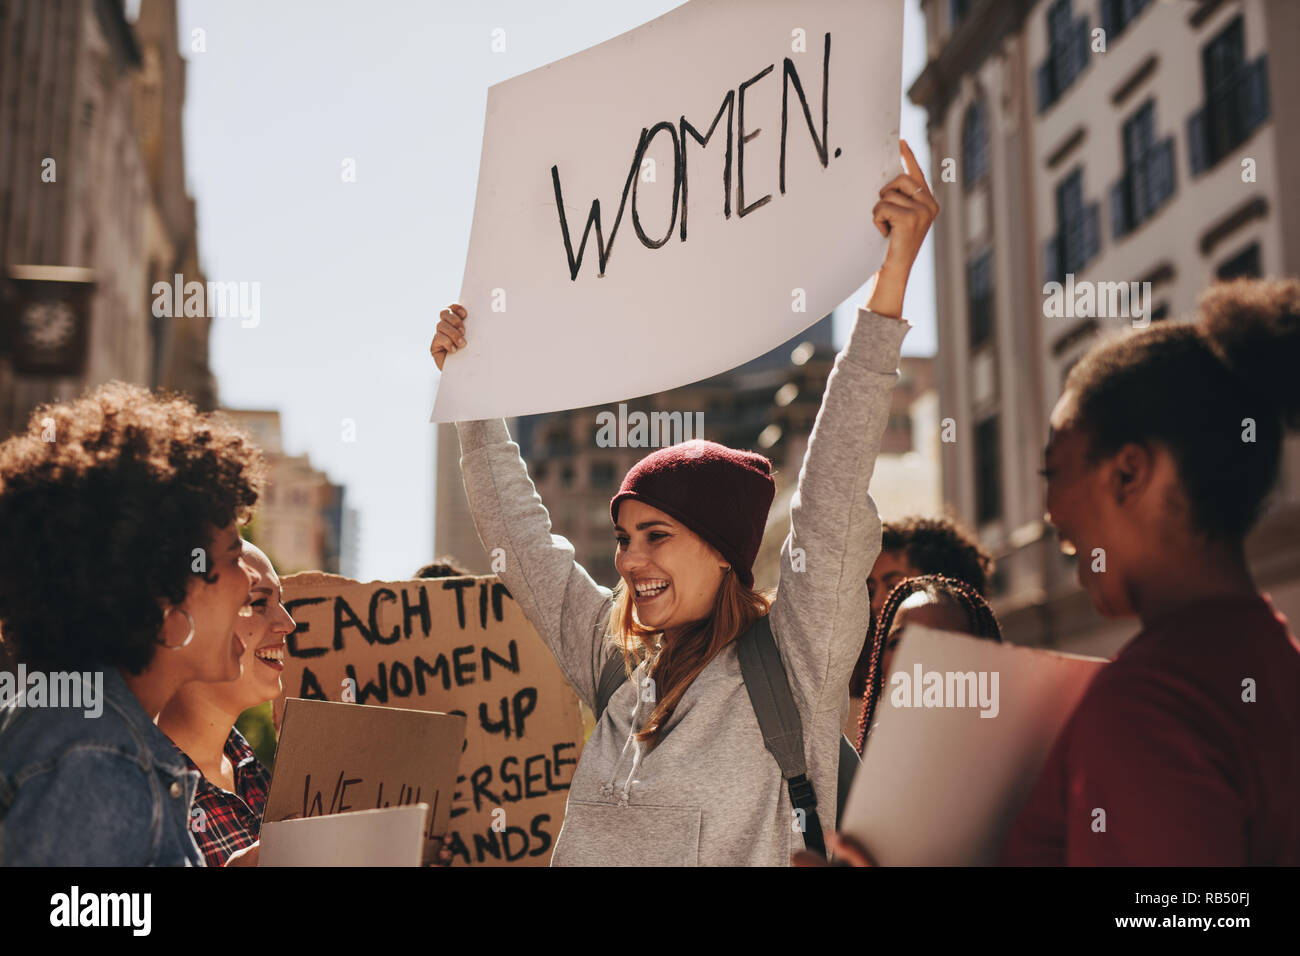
[(335, 757), (962, 729), (700, 187), (456, 645), (393, 836)]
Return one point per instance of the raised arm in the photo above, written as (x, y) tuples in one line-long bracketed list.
[(822, 608), (568, 609)]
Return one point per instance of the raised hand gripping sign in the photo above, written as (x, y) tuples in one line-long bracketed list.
[(674, 202)]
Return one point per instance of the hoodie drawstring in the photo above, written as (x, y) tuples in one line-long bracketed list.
[(624, 792)]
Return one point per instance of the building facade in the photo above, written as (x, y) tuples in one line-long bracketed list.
[(92, 195), (301, 521), (1095, 141)]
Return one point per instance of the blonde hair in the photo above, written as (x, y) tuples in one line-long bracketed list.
[(735, 608)]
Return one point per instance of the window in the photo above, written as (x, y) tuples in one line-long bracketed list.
[(1243, 264), (566, 476), (1117, 14), (1077, 239), (1236, 98), (979, 298), (1148, 178), (974, 144), (601, 474), (988, 472), (958, 9), (1067, 43)]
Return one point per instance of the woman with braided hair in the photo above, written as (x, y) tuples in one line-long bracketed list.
[(930, 600)]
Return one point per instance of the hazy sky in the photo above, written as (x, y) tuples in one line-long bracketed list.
[(353, 274)]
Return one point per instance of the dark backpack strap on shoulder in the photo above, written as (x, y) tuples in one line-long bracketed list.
[(778, 719), (612, 676)]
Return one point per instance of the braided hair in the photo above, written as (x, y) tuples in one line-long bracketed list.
[(979, 616)]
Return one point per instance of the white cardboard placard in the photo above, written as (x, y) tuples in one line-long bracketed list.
[(389, 837), (696, 276), (941, 785)]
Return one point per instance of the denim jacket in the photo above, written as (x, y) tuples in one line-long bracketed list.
[(81, 791)]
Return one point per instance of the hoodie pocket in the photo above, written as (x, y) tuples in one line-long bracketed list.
[(603, 834)]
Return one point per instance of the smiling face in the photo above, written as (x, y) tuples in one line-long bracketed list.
[(264, 632), (214, 599), (1078, 508), (1125, 509), (672, 572)]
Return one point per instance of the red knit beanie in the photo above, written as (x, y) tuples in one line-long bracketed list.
[(721, 494)]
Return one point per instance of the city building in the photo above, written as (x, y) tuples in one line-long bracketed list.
[(301, 521), (1099, 141), (93, 204)]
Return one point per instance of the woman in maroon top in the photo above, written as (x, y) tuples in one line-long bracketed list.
[(200, 719), (1185, 750)]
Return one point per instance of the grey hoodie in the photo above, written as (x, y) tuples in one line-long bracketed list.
[(710, 793)]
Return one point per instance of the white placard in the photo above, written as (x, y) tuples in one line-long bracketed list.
[(613, 254), (941, 785), (393, 836)]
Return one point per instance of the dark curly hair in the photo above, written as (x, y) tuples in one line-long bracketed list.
[(102, 501), (939, 546), (980, 621), (1193, 386)]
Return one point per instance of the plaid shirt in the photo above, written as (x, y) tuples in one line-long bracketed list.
[(223, 822)]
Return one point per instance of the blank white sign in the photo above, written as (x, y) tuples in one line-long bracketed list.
[(393, 836), (941, 785)]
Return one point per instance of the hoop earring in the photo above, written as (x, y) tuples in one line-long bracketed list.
[(188, 637)]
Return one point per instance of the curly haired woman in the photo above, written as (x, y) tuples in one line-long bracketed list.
[(121, 561)]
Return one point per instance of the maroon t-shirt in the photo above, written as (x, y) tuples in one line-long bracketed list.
[(1188, 744)]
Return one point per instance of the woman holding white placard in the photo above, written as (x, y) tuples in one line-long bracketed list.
[(676, 771)]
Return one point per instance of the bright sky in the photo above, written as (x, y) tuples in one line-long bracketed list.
[(353, 274)]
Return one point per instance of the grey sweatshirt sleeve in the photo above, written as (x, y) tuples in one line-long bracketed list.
[(822, 609), (568, 609)]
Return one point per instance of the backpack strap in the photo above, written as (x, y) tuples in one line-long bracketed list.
[(778, 719), (612, 676)]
